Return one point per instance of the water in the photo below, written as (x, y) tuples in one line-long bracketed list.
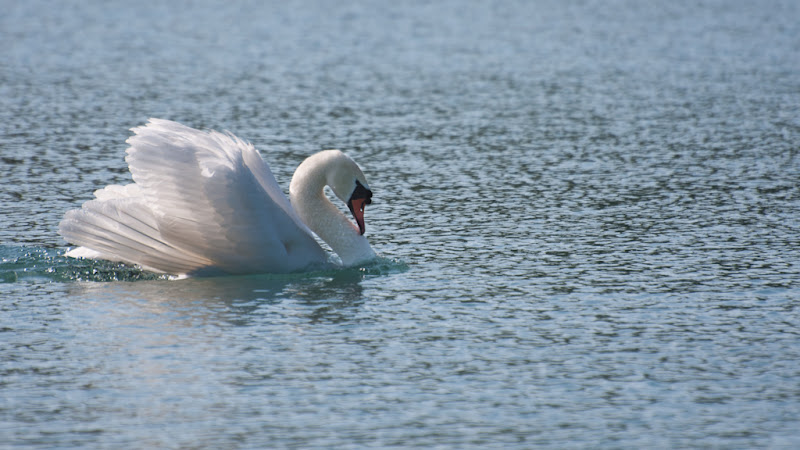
[(588, 214)]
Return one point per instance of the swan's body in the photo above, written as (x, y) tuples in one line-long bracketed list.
[(204, 202)]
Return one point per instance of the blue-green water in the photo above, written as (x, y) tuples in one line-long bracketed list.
[(587, 214)]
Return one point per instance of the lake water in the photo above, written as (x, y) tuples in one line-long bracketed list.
[(587, 214)]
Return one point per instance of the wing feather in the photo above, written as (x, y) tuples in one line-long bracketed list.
[(201, 199), (122, 230)]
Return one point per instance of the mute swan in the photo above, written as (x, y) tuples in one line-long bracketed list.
[(204, 203)]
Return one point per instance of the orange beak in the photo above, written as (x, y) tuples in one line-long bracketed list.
[(357, 208)]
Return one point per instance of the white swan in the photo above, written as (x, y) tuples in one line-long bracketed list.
[(205, 203)]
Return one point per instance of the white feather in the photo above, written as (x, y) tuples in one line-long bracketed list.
[(202, 202)]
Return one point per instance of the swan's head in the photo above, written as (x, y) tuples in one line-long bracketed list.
[(349, 185), (336, 170)]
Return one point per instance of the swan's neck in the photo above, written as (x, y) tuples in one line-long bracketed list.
[(307, 195)]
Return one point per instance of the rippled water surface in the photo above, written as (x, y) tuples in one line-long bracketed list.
[(587, 213)]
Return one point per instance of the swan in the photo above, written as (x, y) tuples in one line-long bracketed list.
[(206, 203)]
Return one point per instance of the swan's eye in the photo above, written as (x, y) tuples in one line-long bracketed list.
[(360, 192)]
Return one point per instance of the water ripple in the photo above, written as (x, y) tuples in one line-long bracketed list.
[(587, 214)]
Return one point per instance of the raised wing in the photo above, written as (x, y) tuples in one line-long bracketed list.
[(203, 200)]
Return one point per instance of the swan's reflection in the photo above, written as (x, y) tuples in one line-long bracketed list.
[(328, 297), (177, 335)]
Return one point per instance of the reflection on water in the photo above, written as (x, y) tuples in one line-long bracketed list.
[(233, 300), (161, 348)]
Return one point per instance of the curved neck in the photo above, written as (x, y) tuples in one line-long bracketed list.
[(306, 193)]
